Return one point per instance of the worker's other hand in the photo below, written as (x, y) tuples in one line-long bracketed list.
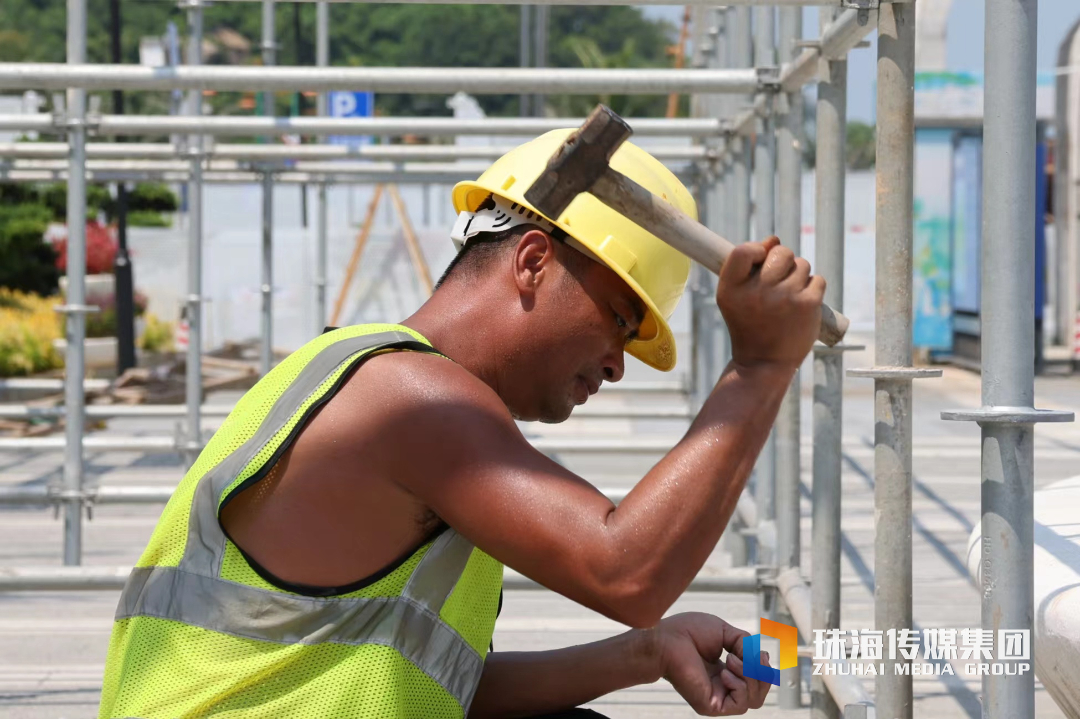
[(770, 302), (690, 646)]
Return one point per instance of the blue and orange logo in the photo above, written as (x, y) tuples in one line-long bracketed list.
[(751, 651)]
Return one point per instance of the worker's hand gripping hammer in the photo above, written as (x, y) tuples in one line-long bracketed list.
[(581, 165)]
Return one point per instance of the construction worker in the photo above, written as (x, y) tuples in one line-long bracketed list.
[(337, 549)]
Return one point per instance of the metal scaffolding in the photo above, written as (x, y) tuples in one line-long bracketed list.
[(420, 126), (749, 122), (193, 308), (281, 153), (828, 364), (786, 460), (1007, 418)]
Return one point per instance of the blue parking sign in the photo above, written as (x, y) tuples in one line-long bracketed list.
[(351, 104)]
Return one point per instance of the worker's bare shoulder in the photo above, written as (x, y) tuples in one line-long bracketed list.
[(422, 380), (401, 396)]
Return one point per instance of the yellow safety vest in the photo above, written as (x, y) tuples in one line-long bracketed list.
[(200, 632)]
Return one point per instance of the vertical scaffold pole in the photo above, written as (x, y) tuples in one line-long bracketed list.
[(828, 365), (734, 42), (193, 378), (75, 301), (893, 372), (525, 53), (789, 228), (721, 58), (322, 229), (742, 57), (730, 102), (1008, 340), (1007, 417), (540, 52), (711, 343), (266, 347), (764, 226), (892, 340), (700, 106)]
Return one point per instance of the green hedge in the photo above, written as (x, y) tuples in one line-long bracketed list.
[(147, 218), (27, 262), (98, 200), (152, 196)]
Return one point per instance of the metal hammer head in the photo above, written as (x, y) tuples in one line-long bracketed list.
[(579, 162)]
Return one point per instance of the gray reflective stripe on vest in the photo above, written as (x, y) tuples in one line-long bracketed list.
[(252, 613), (193, 594), (429, 585), (206, 541)]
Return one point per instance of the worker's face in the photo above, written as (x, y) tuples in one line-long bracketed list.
[(579, 317)]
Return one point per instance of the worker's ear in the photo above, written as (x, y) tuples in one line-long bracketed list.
[(534, 260)]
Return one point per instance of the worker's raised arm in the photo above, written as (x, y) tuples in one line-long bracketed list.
[(446, 437)]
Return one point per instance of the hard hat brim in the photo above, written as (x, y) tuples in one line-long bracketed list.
[(658, 351)]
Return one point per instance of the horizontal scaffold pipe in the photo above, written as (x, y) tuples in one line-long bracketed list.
[(31, 579), (349, 167), (839, 38), (251, 152), (48, 384), (440, 80), (110, 411), (45, 579), (396, 126), (165, 444), (171, 411), (126, 494), (8, 175), (331, 175), (38, 494), (93, 443)]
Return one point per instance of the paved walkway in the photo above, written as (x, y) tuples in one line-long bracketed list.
[(52, 645)]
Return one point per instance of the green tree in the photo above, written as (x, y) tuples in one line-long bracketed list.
[(861, 145), (860, 148), (362, 34)]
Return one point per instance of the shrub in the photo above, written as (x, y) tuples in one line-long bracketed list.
[(98, 200), (147, 218), (101, 249), (153, 196), (28, 326), (157, 336), (24, 211), (103, 322), (19, 194), (27, 262)]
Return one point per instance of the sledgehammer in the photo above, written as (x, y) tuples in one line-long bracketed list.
[(581, 165)]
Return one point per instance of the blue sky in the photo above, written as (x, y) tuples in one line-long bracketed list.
[(965, 43)]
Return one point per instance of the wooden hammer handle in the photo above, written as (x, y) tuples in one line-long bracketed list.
[(686, 235)]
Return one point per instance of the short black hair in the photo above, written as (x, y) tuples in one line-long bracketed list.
[(475, 257)]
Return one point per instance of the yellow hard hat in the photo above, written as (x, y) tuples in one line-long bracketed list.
[(654, 270)]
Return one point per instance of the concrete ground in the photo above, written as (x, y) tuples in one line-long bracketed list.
[(52, 645)]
